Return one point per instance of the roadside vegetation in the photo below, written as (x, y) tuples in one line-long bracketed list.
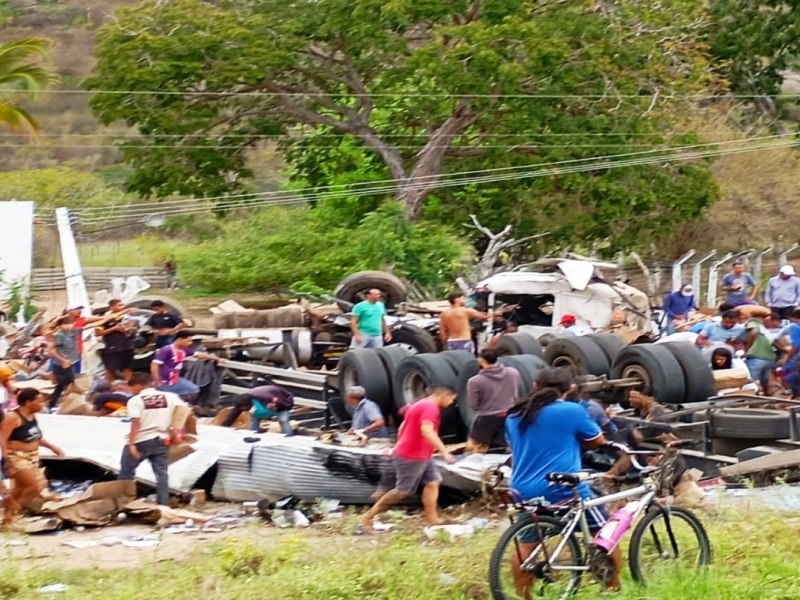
[(755, 555)]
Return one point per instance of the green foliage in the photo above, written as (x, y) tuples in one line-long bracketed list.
[(309, 250), (21, 74), (60, 186), (753, 41), (405, 92)]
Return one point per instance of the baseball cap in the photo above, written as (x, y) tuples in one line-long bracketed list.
[(567, 318), (787, 270)]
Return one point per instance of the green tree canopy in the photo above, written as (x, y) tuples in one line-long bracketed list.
[(408, 92), (22, 75)]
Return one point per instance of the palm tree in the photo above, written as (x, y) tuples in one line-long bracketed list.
[(22, 73)]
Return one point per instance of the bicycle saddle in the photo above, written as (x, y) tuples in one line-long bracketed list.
[(567, 479)]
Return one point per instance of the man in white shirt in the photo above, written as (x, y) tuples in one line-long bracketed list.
[(151, 415)]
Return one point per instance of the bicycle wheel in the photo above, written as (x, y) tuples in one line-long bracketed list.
[(518, 567), (668, 542)]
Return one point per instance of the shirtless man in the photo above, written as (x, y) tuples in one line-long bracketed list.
[(454, 329)]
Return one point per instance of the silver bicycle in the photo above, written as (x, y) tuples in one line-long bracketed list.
[(549, 547)]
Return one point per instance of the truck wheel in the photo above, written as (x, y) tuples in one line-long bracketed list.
[(413, 338), (583, 355), (518, 343), (145, 301), (528, 367), (352, 288), (750, 423), (697, 376), (391, 357), (363, 367), (469, 371), (609, 343), (655, 366)]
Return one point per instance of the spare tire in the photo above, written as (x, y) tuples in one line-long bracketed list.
[(609, 343), (413, 338), (582, 354), (654, 365), (364, 367), (518, 343), (144, 302), (352, 288), (750, 423), (697, 376)]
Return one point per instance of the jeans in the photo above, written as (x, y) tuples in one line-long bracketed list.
[(368, 341), (182, 387), (64, 378), (283, 419), (157, 453), (759, 370)]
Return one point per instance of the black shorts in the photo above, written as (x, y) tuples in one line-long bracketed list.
[(489, 431), (118, 361), (407, 475)]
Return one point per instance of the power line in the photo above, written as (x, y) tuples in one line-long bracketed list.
[(611, 97), (597, 164), (348, 188)]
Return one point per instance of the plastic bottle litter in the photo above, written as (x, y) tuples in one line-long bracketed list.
[(53, 588)]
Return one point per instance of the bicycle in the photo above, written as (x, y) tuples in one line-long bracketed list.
[(550, 546)]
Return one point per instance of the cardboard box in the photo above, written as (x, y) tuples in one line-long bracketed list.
[(98, 505), (730, 378)]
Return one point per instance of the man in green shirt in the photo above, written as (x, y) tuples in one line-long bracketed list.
[(761, 354), (367, 324)]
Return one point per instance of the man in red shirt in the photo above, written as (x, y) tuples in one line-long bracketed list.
[(412, 459)]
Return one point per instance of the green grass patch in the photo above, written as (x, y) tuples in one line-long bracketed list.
[(755, 557)]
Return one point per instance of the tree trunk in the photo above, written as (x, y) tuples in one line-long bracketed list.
[(427, 170)]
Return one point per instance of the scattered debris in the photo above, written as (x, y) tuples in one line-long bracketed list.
[(53, 588), (456, 530)]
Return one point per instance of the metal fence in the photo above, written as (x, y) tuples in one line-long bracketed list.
[(98, 278)]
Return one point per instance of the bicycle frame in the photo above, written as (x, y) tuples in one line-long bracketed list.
[(576, 517)]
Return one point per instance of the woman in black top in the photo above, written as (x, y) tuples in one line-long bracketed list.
[(21, 438)]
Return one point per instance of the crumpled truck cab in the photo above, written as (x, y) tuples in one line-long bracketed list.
[(536, 301)]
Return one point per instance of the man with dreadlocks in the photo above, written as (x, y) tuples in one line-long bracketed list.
[(546, 434)]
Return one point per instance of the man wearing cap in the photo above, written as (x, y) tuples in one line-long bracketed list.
[(677, 307), (367, 416), (783, 292), (741, 286), (569, 325)]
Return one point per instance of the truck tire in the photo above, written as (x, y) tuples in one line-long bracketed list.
[(518, 343), (364, 367), (528, 368), (420, 372), (391, 357), (458, 359), (351, 288), (462, 363), (750, 423), (413, 338), (467, 373), (144, 302), (655, 366), (697, 377), (609, 343), (581, 354)]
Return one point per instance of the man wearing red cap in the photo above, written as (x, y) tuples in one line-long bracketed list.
[(569, 325)]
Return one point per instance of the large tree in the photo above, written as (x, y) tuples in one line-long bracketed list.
[(753, 42), (409, 91), (22, 75)]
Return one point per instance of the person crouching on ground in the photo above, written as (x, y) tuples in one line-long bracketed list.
[(491, 394), (263, 402), (151, 414), (412, 459), (367, 417), (21, 440)]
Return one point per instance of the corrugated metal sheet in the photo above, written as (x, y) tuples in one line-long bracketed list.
[(272, 467)]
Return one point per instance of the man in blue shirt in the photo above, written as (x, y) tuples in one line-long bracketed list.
[(677, 306), (741, 286), (367, 324), (727, 330), (367, 416)]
